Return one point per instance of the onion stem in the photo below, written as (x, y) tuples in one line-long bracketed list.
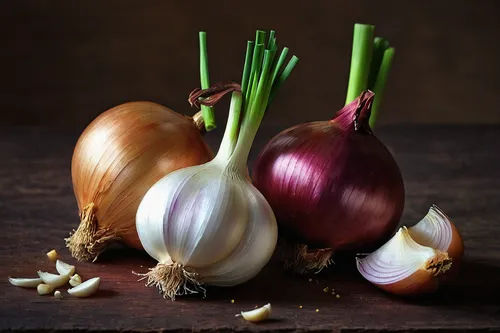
[(362, 49), (379, 47), (247, 67), (284, 75), (206, 111), (256, 63), (380, 83), (263, 81)]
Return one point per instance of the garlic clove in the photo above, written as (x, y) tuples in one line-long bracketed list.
[(58, 294), (258, 314), (75, 280), (436, 230), (54, 280), (64, 268), (25, 282), (404, 267), (86, 288), (44, 289), (52, 254)]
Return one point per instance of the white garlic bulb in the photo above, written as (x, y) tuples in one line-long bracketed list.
[(208, 224), (214, 225)]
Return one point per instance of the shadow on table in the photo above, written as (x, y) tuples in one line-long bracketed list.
[(478, 283)]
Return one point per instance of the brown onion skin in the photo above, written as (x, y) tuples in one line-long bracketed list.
[(456, 253), (331, 185), (123, 152)]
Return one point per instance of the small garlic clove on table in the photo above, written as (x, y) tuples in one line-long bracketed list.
[(25, 282), (64, 268), (86, 288), (75, 280), (52, 254), (44, 289), (258, 314), (58, 294), (54, 280)]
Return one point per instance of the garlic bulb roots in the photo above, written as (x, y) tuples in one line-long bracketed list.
[(173, 279)]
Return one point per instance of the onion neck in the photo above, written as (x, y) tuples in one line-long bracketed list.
[(355, 116), (371, 61)]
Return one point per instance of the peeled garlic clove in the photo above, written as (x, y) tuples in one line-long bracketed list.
[(404, 267), (64, 268), (437, 231), (58, 294), (52, 254), (258, 314), (86, 288), (44, 289), (25, 282), (75, 280), (54, 280)]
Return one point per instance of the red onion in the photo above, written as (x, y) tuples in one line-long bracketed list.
[(332, 184)]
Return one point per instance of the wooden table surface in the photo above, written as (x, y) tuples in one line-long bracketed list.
[(455, 167)]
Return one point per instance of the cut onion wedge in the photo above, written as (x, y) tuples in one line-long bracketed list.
[(25, 282), (64, 268), (86, 288), (404, 267), (437, 231), (54, 280)]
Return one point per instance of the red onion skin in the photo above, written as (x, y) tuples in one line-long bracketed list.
[(332, 185)]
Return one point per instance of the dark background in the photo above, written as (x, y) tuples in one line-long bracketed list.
[(64, 62)]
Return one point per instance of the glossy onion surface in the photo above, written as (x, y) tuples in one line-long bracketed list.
[(332, 183), (123, 152)]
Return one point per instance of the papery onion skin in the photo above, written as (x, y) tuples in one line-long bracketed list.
[(332, 184), (118, 157)]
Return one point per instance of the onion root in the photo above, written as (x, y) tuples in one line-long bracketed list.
[(88, 241), (307, 260), (172, 279), (439, 264)]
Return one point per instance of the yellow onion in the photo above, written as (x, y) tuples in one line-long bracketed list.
[(119, 156)]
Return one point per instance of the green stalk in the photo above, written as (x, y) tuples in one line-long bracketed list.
[(258, 49), (379, 47), (362, 49), (207, 112), (265, 81), (233, 121), (247, 68), (280, 63), (232, 128), (284, 75), (380, 83), (272, 41)]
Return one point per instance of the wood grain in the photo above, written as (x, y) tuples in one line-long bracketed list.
[(455, 167)]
